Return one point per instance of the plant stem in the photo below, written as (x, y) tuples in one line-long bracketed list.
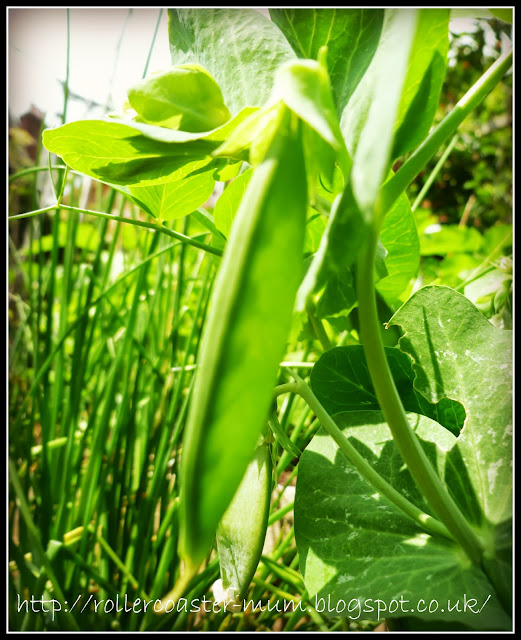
[(318, 327), (391, 405), (426, 521), (139, 223), (394, 187), (434, 173), (145, 70)]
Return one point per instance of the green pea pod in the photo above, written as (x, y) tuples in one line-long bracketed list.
[(242, 530), (243, 340)]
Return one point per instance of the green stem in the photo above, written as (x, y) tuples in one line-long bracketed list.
[(415, 163), (434, 173), (318, 327), (391, 405), (30, 170), (426, 521), (158, 23), (138, 223)]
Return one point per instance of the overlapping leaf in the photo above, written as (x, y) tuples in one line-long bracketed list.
[(134, 153), (167, 99), (341, 381), (400, 237), (350, 537), (393, 105), (176, 199), (459, 354), (241, 48), (350, 35), (229, 201)]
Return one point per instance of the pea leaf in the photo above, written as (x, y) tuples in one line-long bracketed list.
[(340, 379), (120, 154), (176, 199), (303, 87), (369, 119), (230, 199), (425, 75), (459, 354), (339, 297), (241, 48), (349, 538), (399, 236), (351, 37), (315, 227), (185, 97), (135, 153)]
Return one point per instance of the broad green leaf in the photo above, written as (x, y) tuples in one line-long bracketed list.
[(452, 270), (340, 379), (439, 240), (424, 80), (320, 164), (356, 548), (175, 199), (339, 297), (185, 97), (124, 152), (380, 268), (120, 154), (399, 236), (241, 48), (459, 354), (230, 199), (369, 119), (228, 171), (351, 37)]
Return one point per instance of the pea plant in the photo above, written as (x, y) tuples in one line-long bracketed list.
[(317, 121)]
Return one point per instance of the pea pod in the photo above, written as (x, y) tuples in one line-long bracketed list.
[(243, 340), (242, 530)]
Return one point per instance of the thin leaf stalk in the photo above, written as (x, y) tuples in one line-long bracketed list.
[(392, 408), (426, 521)]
